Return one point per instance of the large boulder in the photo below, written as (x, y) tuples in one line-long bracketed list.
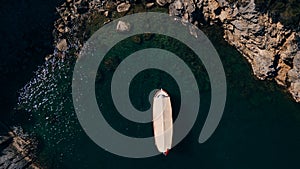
[(123, 26), (123, 7)]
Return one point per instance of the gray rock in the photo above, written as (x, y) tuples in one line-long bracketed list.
[(295, 90), (263, 64), (296, 61), (149, 5), (123, 7), (161, 2), (123, 26), (240, 25), (62, 45), (183, 8), (178, 5)]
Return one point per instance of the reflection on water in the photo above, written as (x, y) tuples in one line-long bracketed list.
[(259, 129)]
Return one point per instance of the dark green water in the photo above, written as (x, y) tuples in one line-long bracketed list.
[(259, 129)]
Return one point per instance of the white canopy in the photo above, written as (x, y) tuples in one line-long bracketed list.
[(162, 121)]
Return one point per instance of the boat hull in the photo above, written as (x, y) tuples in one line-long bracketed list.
[(162, 121)]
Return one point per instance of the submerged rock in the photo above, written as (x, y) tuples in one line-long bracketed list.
[(136, 39)]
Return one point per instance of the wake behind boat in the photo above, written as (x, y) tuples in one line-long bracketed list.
[(162, 121)]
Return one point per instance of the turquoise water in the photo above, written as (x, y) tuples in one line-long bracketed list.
[(259, 129)]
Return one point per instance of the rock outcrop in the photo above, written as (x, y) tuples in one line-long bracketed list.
[(17, 150), (270, 48)]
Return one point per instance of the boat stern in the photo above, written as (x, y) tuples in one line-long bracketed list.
[(166, 152)]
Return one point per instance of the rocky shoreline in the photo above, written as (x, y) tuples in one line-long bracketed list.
[(270, 47), (17, 149)]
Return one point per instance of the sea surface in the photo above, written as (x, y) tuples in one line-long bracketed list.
[(259, 128)]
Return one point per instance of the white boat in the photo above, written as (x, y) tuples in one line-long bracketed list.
[(162, 121)]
